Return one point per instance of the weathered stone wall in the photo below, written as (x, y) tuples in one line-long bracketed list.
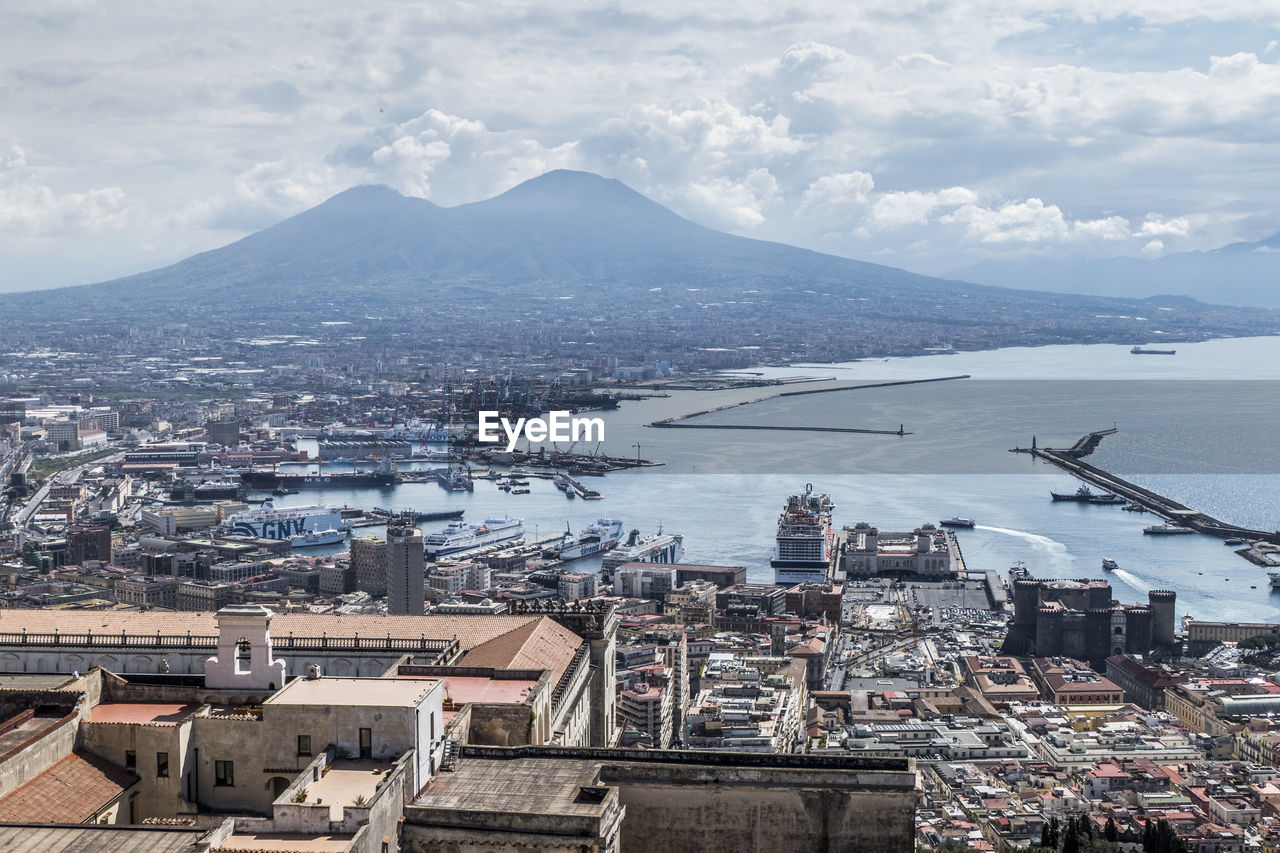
[(738, 810)]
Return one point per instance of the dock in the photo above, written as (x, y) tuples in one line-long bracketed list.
[(1070, 461)]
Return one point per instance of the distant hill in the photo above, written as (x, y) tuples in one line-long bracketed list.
[(1245, 274), (589, 257)]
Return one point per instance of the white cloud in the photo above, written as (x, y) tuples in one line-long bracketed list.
[(1153, 248), (1157, 226), (896, 209), (839, 190), (1033, 221)]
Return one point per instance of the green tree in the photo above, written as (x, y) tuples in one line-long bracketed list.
[(1110, 832)]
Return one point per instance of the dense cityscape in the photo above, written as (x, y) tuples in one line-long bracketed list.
[(141, 534), (594, 427)]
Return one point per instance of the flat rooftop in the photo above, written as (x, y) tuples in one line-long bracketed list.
[(284, 842), (520, 786), (154, 713), (346, 780), (26, 730), (385, 692), (499, 691)]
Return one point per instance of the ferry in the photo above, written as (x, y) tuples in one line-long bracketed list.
[(1275, 579), (302, 525), (957, 522), (461, 536), (1166, 529), (594, 539), (805, 539), (1019, 572), (656, 548), (1109, 565)]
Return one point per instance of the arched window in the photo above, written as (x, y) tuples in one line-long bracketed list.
[(244, 655)]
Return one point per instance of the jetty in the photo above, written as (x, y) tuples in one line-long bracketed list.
[(682, 421), (1070, 460)]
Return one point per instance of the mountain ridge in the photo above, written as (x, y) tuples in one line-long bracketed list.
[(595, 258)]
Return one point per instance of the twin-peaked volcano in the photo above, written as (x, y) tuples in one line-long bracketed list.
[(602, 252)]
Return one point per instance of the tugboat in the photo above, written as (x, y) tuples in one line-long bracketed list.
[(1109, 565), (957, 522)]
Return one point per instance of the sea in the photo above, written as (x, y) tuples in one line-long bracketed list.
[(1199, 426)]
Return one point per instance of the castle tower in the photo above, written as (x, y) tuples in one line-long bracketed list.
[(1163, 604)]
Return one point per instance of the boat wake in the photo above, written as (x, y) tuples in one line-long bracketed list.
[(1052, 548), (1132, 580)]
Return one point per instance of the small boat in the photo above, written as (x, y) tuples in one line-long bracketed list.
[(1109, 565), (1105, 498), (518, 482), (519, 491), (1166, 529), (1234, 540), (957, 522), (1132, 507)]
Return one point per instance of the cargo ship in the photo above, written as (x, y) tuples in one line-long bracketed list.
[(594, 539), (805, 539), (319, 480), (460, 536), (302, 525), (1144, 351)]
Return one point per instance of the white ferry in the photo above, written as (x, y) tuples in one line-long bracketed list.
[(462, 536), (302, 525), (1166, 530), (805, 539), (594, 539), (656, 548)]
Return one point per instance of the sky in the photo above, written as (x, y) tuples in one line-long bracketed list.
[(925, 134)]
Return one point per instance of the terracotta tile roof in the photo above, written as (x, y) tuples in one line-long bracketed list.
[(68, 792), (540, 644), (471, 630)]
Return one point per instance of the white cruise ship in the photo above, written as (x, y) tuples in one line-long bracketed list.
[(594, 539), (656, 548), (462, 536), (805, 539), (302, 525)]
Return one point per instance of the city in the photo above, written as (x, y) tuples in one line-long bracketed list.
[(640, 428)]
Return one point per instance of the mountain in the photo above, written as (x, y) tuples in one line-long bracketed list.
[(1245, 274), (571, 260)]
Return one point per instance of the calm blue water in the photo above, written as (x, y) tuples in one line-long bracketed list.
[(1210, 444)]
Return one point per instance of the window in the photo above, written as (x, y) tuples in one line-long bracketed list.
[(224, 774), (130, 759), (304, 744), (162, 765)]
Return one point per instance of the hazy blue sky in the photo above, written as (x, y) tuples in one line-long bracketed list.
[(927, 134)]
